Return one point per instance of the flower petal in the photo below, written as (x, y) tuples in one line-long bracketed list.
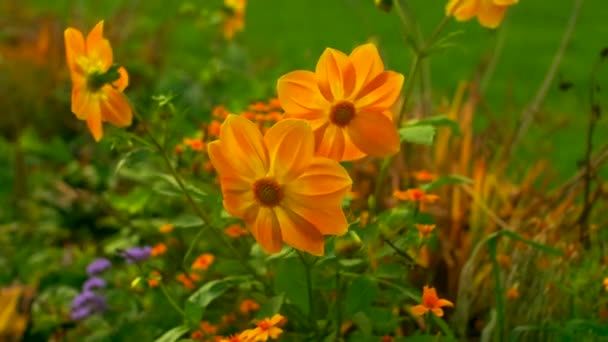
[(80, 98), (505, 2), (330, 142), (242, 141), (266, 230), (123, 81), (291, 146), (116, 109), (98, 48), (367, 63), (490, 15), (299, 95), (437, 311), (94, 119), (419, 310), (299, 233), (335, 75), (323, 178), (462, 10), (444, 302), (380, 93), (74, 47), (374, 134)]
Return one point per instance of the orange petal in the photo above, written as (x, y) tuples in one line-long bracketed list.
[(505, 2), (74, 47), (490, 15), (299, 233), (419, 310), (299, 95), (462, 10), (381, 93), (330, 142), (374, 134), (367, 63), (335, 75), (445, 302), (116, 109), (80, 98), (94, 119), (437, 311), (98, 48), (267, 231), (242, 142), (291, 145), (322, 178), (123, 80)]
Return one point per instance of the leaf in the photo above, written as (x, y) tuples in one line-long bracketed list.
[(423, 134), (363, 323), (445, 180), (360, 295), (438, 121), (133, 154), (291, 281), (271, 307), (173, 334), (208, 292)]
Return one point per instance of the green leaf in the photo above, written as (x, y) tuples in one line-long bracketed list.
[(271, 307), (437, 121), (291, 281), (173, 334), (423, 134), (445, 180), (363, 323), (360, 295), (208, 292)]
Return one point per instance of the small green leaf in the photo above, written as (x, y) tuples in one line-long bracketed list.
[(173, 334), (271, 307), (210, 291), (423, 134), (437, 121), (363, 323), (360, 295)]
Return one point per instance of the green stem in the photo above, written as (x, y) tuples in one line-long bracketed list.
[(311, 315), (500, 304), (171, 301), (338, 304)]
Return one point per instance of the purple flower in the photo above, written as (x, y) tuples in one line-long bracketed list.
[(80, 313), (93, 283), (136, 254), (87, 303), (98, 266)]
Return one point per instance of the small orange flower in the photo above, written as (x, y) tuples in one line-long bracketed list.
[(166, 228), (179, 149), (274, 103), (258, 107), (430, 302), (234, 17), (278, 186), (235, 230), (416, 195), (208, 328), (158, 249), (348, 101), (425, 230), (228, 319), (248, 305), (489, 13), (233, 338), (154, 279), (266, 328), (195, 144), (188, 280), (97, 84), (203, 262), (503, 260), (606, 284), (220, 112), (424, 176), (214, 128), (513, 292), (197, 335)]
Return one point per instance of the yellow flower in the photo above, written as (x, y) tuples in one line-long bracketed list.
[(489, 13), (97, 84), (234, 17), (348, 102), (266, 328), (277, 186), (430, 302)]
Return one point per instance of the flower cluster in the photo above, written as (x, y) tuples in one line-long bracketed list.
[(89, 301)]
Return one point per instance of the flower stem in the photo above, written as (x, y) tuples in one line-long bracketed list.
[(171, 301), (311, 316)]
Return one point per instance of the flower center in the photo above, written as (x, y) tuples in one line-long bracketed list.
[(342, 113), (268, 192), (264, 325)]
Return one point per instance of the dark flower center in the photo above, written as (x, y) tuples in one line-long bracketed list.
[(268, 192), (342, 113)]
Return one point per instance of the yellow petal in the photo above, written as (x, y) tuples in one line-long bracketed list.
[(462, 10), (367, 63), (291, 146), (299, 233), (335, 75), (74, 47), (98, 48), (267, 231), (380, 93), (374, 134), (419, 310), (242, 142), (490, 15), (299, 95), (505, 2), (115, 108), (123, 80)]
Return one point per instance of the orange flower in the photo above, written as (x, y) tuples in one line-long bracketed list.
[(214, 128), (266, 328), (158, 249), (489, 13), (179, 149), (430, 302), (188, 280), (154, 279), (425, 230), (97, 84), (166, 228), (513, 292), (233, 338), (416, 195), (208, 328), (278, 186), (220, 112), (203, 262), (196, 144), (234, 17), (348, 102), (235, 230), (424, 176), (248, 305), (503, 260), (606, 284), (197, 335)]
